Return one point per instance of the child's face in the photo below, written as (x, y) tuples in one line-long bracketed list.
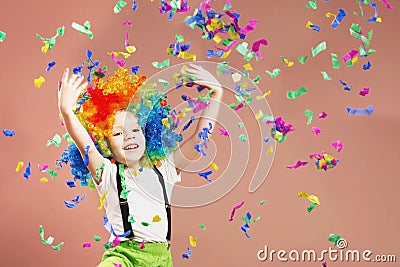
[(127, 142)]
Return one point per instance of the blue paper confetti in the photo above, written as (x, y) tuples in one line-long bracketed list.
[(86, 157), (345, 87), (367, 66), (27, 171), (375, 17), (342, 13), (50, 65), (70, 183), (135, 69), (187, 255), (134, 5), (74, 202), (366, 112), (205, 175), (188, 124), (8, 132), (211, 53), (245, 228), (315, 28)]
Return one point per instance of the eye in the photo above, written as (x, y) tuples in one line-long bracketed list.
[(117, 133), (136, 130)]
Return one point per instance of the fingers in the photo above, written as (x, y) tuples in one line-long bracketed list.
[(82, 86), (64, 79)]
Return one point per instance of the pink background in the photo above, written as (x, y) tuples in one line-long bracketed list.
[(359, 198)]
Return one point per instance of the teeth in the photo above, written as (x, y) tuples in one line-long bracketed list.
[(131, 147)]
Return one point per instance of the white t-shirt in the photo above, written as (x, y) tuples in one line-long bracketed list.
[(145, 200)]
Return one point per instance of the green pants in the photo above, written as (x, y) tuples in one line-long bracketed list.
[(129, 254)]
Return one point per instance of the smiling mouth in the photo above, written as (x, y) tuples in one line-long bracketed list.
[(131, 147)]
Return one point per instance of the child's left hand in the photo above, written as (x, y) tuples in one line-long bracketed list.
[(205, 78)]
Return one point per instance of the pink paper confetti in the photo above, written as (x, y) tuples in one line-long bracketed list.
[(116, 241), (120, 63), (337, 144), (364, 92), (239, 106), (117, 264), (127, 22), (249, 27), (87, 245), (234, 210), (299, 163), (142, 245), (387, 4), (126, 38), (223, 132), (256, 47), (316, 130), (43, 168), (350, 55), (322, 115)]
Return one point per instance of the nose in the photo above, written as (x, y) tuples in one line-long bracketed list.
[(129, 135)]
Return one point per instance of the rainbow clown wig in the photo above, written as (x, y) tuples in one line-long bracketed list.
[(123, 91)]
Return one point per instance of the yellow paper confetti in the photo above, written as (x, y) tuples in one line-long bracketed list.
[(213, 165), (45, 48), (217, 38), (102, 198), (156, 218), (247, 66), (182, 114), (131, 49), (259, 97), (259, 114), (193, 241), (186, 55), (125, 55), (311, 198), (19, 166), (226, 54), (308, 25), (287, 62), (165, 122), (270, 150), (39, 81), (43, 180)]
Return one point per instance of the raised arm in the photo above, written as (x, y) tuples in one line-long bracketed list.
[(68, 92), (186, 151)]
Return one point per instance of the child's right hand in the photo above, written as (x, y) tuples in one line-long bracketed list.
[(68, 91)]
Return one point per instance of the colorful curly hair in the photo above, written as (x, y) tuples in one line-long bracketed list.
[(124, 91)]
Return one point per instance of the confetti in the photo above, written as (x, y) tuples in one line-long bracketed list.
[(51, 172), (50, 42), (234, 210), (387, 4), (364, 92), (56, 141), (287, 61), (311, 198), (322, 115), (262, 202), (337, 145), (43, 180), (244, 228), (309, 115), (366, 112), (50, 65), (75, 201), (118, 6), (243, 138), (334, 238), (102, 198), (345, 87), (2, 36), (299, 163), (192, 241), (161, 65), (337, 19), (19, 166), (361, 9), (85, 29), (47, 241), (270, 150), (274, 72), (58, 247), (27, 171), (87, 245), (39, 81), (324, 264), (324, 161), (335, 61), (318, 49), (142, 245), (205, 175), (187, 255), (311, 207), (375, 18), (202, 226), (312, 4), (367, 66), (297, 93), (326, 76), (280, 130), (302, 59), (213, 165), (310, 25), (70, 183), (86, 156), (8, 132), (96, 238), (315, 130), (259, 97), (156, 218)]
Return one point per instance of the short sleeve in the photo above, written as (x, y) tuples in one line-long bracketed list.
[(109, 172), (168, 170)]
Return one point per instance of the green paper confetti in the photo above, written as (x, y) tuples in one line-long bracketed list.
[(50, 42), (334, 238), (164, 83), (2, 36), (274, 73), (206, 98), (262, 202), (243, 138), (145, 224), (131, 219), (96, 238), (302, 59), (58, 247), (240, 124), (242, 48), (118, 6), (326, 76), (311, 207), (179, 38), (245, 219), (161, 65), (335, 61), (98, 170), (51, 172), (362, 11), (320, 47), (312, 4), (257, 79), (309, 114), (121, 171), (85, 29), (55, 141), (295, 94), (47, 241), (92, 186), (202, 226)]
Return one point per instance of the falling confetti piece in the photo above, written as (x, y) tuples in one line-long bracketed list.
[(213, 165), (366, 112), (345, 86), (118, 6), (318, 49), (297, 93), (312, 4), (364, 92), (142, 245), (102, 198), (39, 81), (19, 166), (2, 36), (43, 180), (335, 61), (287, 61), (315, 130), (309, 114), (322, 115), (56, 141), (311, 207), (243, 138), (50, 65), (262, 202), (58, 247), (87, 245), (192, 241), (326, 76), (96, 238), (270, 150), (324, 161), (27, 171), (47, 241), (334, 238), (85, 29), (367, 66), (311, 198), (187, 255), (337, 145), (202, 226), (274, 72), (161, 65), (156, 218), (298, 164), (234, 210), (337, 19), (302, 59), (8, 132)]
